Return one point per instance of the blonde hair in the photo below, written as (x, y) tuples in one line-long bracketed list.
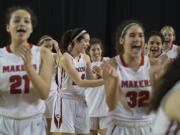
[(44, 38), (169, 28)]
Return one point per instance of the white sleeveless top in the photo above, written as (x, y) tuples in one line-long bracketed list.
[(18, 100), (172, 53), (136, 86), (96, 98), (68, 88), (163, 125)]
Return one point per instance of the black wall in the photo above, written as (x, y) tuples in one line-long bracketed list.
[(99, 17)]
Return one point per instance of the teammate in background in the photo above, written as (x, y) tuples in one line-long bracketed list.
[(154, 44), (128, 83), (70, 112), (155, 49), (25, 77), (145, 51), (95, 97), (165, 101), (48, 42), (169, 48)]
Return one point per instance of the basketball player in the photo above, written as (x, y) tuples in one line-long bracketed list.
[(98, 110), (165, 101), (48, 42), (70, 114), (169, 48), (128, 84), (25, 78)]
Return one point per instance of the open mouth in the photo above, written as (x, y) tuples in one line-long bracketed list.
[(154, 49), (21, 30), (136, 48)]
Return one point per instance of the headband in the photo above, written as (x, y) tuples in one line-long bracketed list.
[(80, 34), (126, 27)]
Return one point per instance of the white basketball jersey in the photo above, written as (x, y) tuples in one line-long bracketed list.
[(96, 98), (163, 125), (67, 86), (136, 86), (18, 100), (172, 53)]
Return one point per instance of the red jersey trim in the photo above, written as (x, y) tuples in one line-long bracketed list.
[(124, 63), (8, 48)]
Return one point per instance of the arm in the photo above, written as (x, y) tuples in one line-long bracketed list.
[(58, 51), (67, 64), (172, 105), (41, 82), (89, 74), (111, 82)]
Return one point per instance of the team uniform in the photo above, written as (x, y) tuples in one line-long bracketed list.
[(136, 86), (52, 94), (70, 112), (97, 107), (172, 53), (163, 125), (21, 110)]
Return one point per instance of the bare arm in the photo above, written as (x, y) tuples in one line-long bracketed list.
[(67, 64), (89, 74), (111, 82), (41, 82), (172, 105), (58, 52)]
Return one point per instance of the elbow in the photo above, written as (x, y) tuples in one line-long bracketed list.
[(45, 94), (44, 97), (79, 83)]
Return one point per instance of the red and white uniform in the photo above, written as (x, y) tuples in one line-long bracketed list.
[(17, 100), (96, 101), (173, 52), (52, 93), (163, 125), (136, 86), (70, 112)]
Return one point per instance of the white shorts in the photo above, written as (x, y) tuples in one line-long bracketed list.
[(49, 103), (124, 130), (35, 125), (99, 123), (75, 117)]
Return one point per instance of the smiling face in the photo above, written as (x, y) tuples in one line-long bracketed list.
[(95, 52), (83, 43), (48, 44), (133, 41), (154, 46), (168, 34), (20, 25)]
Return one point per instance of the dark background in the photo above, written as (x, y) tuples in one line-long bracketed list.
[(99, 17)]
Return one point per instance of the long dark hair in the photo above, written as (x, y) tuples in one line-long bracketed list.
[(12, 9), (165, 83), (70, 36)]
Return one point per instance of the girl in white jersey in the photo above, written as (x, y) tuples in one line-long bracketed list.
[(98, 110), (169, 48), (48, 42), (25, 78), (165, 101), (70, 114), (155, 48), (127, 83)]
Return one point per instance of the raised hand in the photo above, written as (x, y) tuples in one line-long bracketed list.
[(108, 70), (25, 53)]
